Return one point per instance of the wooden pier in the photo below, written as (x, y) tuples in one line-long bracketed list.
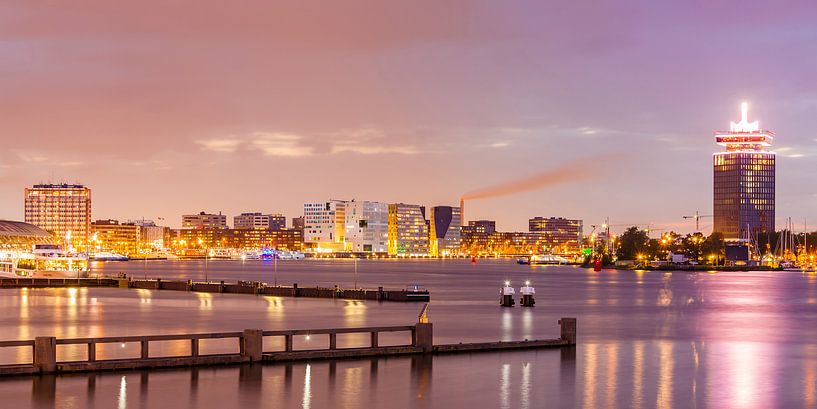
[(251, 348), (241, 287)]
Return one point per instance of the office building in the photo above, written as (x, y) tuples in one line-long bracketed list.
[(564, 236), (744, 180), (479, 227), (444, 231), (325, 225), (408, 230), (204, 221), (110, 235), (298, 223), (62, 209), (367, 226), (259, 221), (247, 239)]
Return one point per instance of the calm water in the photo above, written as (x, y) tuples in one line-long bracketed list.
[(646, 339)]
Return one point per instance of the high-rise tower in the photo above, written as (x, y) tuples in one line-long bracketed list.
[(744, 187)]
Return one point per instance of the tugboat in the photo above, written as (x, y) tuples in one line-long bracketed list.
[(527, 293), (506, 294)]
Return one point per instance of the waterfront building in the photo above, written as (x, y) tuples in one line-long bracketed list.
[(325, 225), (504, 243), (62, 209), (408, 230), (152, 237), (298, 223), (110, 235), (480, 226), (248, 239), (259, 221), (204, 220), (445, 224), (564, 236), (19, 237), (744, 180), (367, 226)]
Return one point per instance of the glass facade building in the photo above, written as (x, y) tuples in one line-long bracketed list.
[(408, 230), (444, 231), (744, 180)]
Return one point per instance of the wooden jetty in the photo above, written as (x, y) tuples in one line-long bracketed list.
[(251, 348)]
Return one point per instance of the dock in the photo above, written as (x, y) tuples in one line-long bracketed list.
[(240, 287), (251, 348)]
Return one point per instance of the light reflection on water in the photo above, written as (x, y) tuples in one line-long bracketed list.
[(646, 339)]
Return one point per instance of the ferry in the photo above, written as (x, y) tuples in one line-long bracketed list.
[(52, 260), (247, 255), (543, 259), (108, 256), (222, 253)]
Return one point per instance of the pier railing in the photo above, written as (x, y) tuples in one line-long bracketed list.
[(250, 344), (251, 348)]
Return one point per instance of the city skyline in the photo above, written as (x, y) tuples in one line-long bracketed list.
[(167, 119)]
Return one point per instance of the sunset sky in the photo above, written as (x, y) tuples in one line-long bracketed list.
[(173, 107)]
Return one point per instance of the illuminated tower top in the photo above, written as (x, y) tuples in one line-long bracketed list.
[(744, 136)]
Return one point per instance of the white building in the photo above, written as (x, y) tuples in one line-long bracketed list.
[(325, 225), (367, 226)]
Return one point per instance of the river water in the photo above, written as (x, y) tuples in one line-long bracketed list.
[(645, 339)]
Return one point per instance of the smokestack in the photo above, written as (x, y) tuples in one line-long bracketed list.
[(462, 212)]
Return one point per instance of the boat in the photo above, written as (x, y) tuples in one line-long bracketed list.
[(222, 253), (247, 255), (543, 259), (53, 261), (416, 292), (108, 256)]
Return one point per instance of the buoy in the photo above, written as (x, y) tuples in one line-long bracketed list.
[(506, 295), (527, 293), (597, 265), (473, 259)]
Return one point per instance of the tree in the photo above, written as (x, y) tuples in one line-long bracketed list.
[(632, 243), (714, 247)]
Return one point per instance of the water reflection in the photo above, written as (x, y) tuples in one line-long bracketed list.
[(524, 386), (307, 399), (505, 386), (591, 355), (665, 364), (638, 374), (122, 401)]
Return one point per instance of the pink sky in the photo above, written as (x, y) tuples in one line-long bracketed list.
[(173, 107)]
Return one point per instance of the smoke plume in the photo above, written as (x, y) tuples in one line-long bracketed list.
[(573, 171)]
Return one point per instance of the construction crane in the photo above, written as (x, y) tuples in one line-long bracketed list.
[(698, 218)]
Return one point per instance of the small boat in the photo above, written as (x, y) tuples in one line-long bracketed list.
[(416, 292), (108, 256), (221, 253), (247, 255), (543, 259)]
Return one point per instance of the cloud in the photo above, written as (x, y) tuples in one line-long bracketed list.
[(280, 144), (501, 144), (586, 130), (31, 157), (230, 144), (373, 149)]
